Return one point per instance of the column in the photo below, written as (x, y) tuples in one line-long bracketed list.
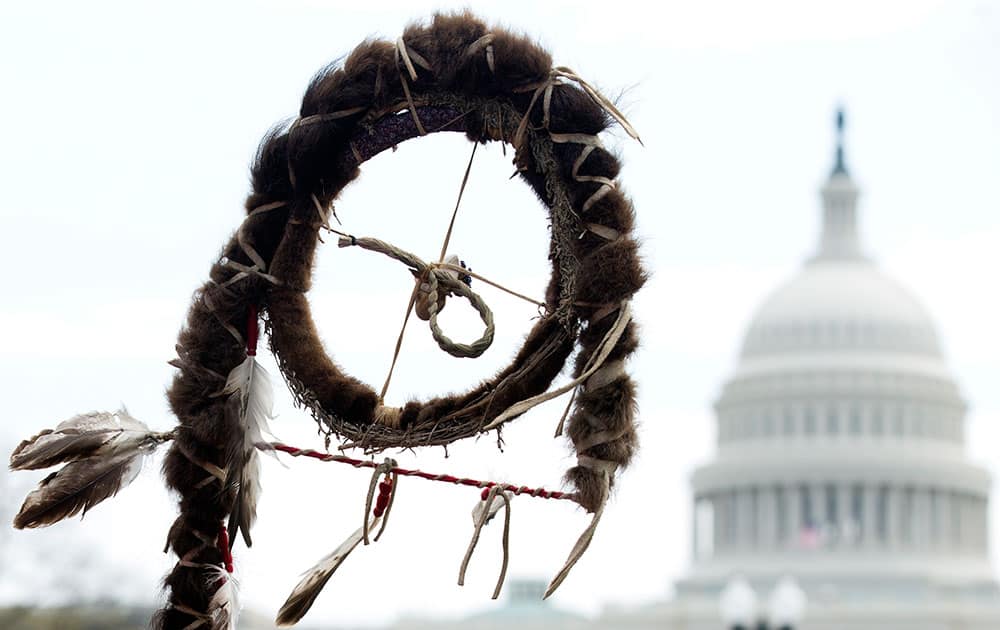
[(848, 528), (793, 512), (956, 521), (717, 516), (917, 519), (722, 510), (945, 534), (965, 523), (744, 532), (906, 517), (732, 519), (694, 528), (933, 519), (820, 517), (767, 512), (921, 519), (984, 504), (982, 525), (893, 518), (869, 516)]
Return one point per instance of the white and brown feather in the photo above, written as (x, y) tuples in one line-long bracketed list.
[(313, 581), (252, 399), (104, 452)]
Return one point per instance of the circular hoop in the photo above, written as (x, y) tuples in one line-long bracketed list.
[(501, 88)]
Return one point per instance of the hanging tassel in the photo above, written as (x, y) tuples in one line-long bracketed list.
[(492, 500), (103, 453), (252, 399)]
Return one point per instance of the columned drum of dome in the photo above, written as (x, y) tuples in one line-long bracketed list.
[(841, 454)]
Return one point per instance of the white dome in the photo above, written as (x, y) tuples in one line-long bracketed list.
[(841, 304)]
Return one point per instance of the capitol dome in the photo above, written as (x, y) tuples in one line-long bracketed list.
[(841, 305), (841, 454)]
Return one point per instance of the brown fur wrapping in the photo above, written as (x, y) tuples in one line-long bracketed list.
[(311, 161)]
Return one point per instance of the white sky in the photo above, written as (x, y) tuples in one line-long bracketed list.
[(128, 128)]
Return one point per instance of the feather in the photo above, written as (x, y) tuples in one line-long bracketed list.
[(313, 580), (74, 439), (93, 474), (252, 396), (76, 487), (224, 607)]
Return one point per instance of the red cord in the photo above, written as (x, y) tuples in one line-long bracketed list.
[(253, 330), (461, 481), (222, 542)]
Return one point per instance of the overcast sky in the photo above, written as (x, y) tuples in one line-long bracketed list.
[(128, 129)]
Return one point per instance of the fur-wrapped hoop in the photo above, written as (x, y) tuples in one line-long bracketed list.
[(453, 74)]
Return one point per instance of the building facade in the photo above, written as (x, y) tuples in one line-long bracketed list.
[(841, 455)]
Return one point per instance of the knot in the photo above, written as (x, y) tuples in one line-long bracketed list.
[(442, 279), (450, 266)]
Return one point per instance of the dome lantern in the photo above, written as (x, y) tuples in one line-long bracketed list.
[(839, 233)]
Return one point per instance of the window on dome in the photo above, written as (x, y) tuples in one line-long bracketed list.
[(919, 423), (898, 427), (939, 426), (855, 421), (877, 422), (789, 422), (832, 421), (809, 427), (868, 334), (768, 424), (907, 516)]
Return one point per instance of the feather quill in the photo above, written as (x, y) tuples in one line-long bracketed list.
[(313, 580), (252, 398)]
